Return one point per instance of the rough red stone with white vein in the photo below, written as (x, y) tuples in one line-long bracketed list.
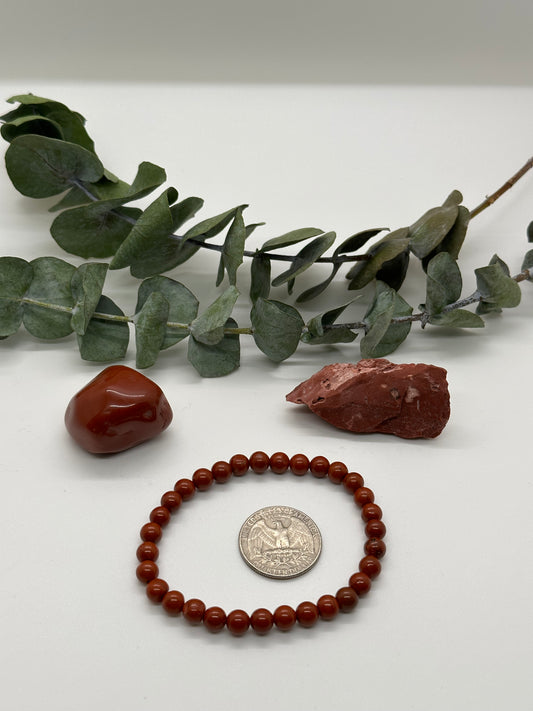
[(374, 395)]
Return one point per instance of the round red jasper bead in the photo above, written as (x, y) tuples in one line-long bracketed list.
[(363, 496), (299, 464), (147, 570), (347, 599), (259, 462), (222, 472), (185, 489), (361, 583), (375, 529), (173, 602), (193, 611), (238, 622), (215, 619), (328, 607), (318, 466), (284, 617), (171, 500), (375, 547), (239, 464), (156, 590), (337, 471), (371, 511), (160, 515), (202, 479), (371, 566), (279, 462), (147, 551), (261, 621), (307, 614), (352, 481), (151, 532)]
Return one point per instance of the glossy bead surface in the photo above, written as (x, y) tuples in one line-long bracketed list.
[(259, 462), (147, 551), (156, 590), (363, 496), (117, 410), (147, 570), (171, 500), (371, 511), (239, 464), (299, 464), (371, 566), (193, 611), (202, 479), (214, 619), (221, 472), (375, 547), (352, 481), (160, 515), (307, 614), (337, 471), (261, 621), (173, 602), (361, 583), (185, 489), (279, 462), (346, 599), (238, 622), (328, 607), (151, 532), (375, 529), (318, 466), (284, 617)]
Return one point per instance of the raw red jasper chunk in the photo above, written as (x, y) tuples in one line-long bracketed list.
[(118, 409)]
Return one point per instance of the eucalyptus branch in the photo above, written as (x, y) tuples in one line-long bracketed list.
[(491, 199)]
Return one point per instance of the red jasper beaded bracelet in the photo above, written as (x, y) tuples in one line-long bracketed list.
[(262, 620)]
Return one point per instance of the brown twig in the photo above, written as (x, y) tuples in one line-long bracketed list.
[(504, 188)]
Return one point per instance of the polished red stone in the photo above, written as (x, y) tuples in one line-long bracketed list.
[(151, 532), (147, 570), (259, 462), (328, 607), (222, 472), (370, 565), (347, 599), (408, 400), (299, 464), (375, 547), (147, 551), (239, 464), (352, 481), (214, 619), (238, 622), (173, 602), (185, 488), (337, 471), (193, 611), (160, 515), (118, 409), (202, 479), (307, 614), (279, 462), (156, 590), (319, 467), (284, 617), (361, 583), (171, 500), (375, 528), (261, 621)]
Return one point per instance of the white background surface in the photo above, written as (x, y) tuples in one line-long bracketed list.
[(448, 624)]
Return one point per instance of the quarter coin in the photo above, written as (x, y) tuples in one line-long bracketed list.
[(280, 542)]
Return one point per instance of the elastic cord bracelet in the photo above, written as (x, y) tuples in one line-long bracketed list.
[(284, 617)]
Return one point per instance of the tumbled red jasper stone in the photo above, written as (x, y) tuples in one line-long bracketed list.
[(118, 409)]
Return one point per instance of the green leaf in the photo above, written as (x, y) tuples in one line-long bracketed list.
[(150, 329), (185, 210), (458, 318), (444, 283), (289, 238), (213, 225), (212, 361), (150, 247), (208, 328), (233, 249), (393, 271), (277, 328), (382, 336), (96, 230), (24, 125), (87, 284), (356, 241), (305, 258), (260, 277), (319, 333), (528, 264), (454, 198), (453, 241), (316, 290), (496, 287), (105, 340), (429, 231), (15, 278), (387, 249), (41, 167), (183, 306), (50, 287)]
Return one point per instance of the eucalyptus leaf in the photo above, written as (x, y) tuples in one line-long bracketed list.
[(383, 337), (30, 124), (105, 340), (87, 284), (233, 249), (150, 329), (393, 271), (305, 258), (15, 278), (149, 247), (260, 271), (444, 283), (213, 361), (41, 167), (387, 249), (429, 231), (213, 225), (528, 263), (277, 328), (316, 290), (458, 318), (454, 198), (183, 306), (49, 301), (496, 287), (356, 241), (319, 331), (453, 241), (208, 328), (289, 238), (185, 210)]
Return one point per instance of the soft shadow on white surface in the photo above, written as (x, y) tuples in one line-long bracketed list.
[(447, 625)]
